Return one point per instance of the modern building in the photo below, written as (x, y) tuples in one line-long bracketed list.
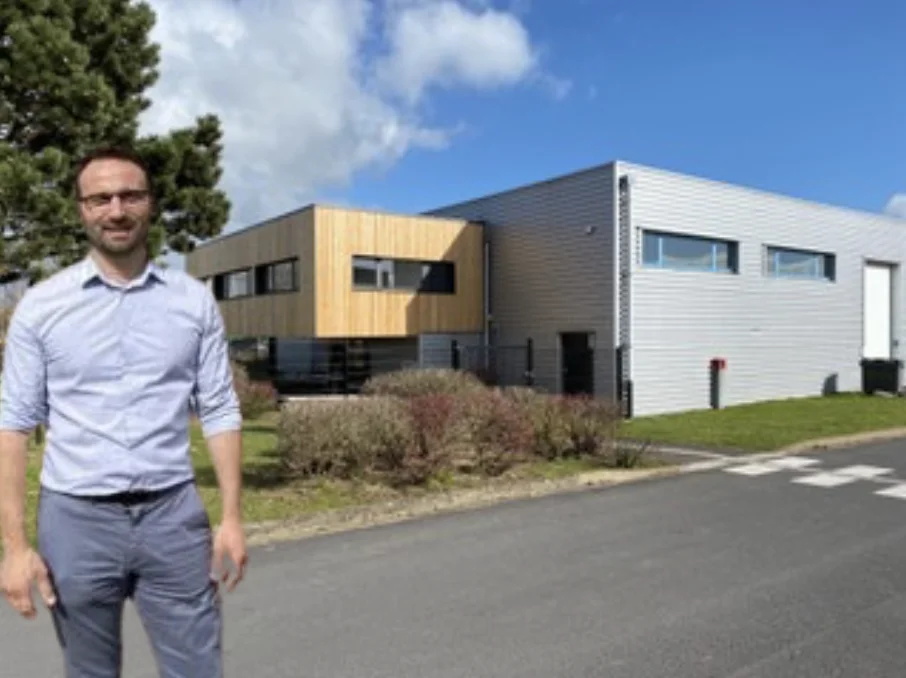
[(332, 296), (631, 282)]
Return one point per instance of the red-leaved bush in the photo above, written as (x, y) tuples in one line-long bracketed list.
[(418, 426), (498, 432), (568, 427), (432, 419)]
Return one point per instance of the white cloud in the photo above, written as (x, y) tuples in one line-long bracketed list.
[(445, 43), (896, 206), (311, 93)]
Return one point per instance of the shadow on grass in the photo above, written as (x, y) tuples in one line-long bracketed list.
[(256, 478), (265, 472), (271, 454), (258, 428)]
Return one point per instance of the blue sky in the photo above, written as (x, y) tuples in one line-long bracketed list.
[(406, 105), (805, 98)]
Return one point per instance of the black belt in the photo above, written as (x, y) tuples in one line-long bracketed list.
[(134, 497)]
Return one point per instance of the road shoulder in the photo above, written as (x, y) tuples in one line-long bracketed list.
[(384, 513)]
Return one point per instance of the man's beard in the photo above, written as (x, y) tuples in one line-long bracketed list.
[(118, 239)]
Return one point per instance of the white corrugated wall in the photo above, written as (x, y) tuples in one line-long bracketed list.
[(781, 337)]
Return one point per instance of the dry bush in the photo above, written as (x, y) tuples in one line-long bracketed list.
[(568, 427), (628, 454), (498, 432), (344, 438), (255, 397), (409, 383), (592, 425), (396, 441), (544, 414), (404, 441), (436, 431)]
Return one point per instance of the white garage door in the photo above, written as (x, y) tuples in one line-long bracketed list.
[(877, 311)]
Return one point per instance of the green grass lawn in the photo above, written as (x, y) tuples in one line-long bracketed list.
[(772, 425)]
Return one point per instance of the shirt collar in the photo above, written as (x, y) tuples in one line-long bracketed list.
[(90, 273)]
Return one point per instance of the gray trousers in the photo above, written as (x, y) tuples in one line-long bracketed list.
[(156, 552)]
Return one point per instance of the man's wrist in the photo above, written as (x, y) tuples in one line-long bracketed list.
[(231, 516), (15, 543)]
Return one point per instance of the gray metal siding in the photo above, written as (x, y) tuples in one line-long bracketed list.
[(436, 350), (781, 337), (552, 270)]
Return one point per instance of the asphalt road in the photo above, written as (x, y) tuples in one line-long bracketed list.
[(707, 574)]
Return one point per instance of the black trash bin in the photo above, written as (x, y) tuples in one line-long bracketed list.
[(880, 375)]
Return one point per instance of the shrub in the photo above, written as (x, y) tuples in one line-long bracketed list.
[(545, 417), (498, 431), (255, 397), (567, 427), (628, 454), (345, 438), (411, 382), (405, 441), (435, 432), (591, 425)]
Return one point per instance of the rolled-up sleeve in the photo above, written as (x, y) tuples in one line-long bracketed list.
[(23, 383), (216, 402)]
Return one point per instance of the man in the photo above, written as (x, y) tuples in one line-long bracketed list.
[(113, 354)]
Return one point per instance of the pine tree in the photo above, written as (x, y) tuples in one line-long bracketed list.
[(73, 76)]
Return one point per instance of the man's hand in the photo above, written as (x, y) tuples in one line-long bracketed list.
[(229, 540), (19, 570)]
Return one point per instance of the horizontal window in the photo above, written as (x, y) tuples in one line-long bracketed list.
[(793, 263), (433, 277), (279, 276), (232, 285), (689, 252)]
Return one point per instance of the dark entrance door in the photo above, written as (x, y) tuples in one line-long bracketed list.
[(577, 363)]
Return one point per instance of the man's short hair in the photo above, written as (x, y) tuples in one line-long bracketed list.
[(124, 153)]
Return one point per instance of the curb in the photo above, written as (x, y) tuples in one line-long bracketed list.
[(711, 461), (829, 443), (444, 503), (844, 441)]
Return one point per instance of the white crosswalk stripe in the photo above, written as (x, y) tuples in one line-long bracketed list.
[(793, 463), (753, 469), (761, 468), (826, 479), (894, 491), (861, 471), (807, 471)]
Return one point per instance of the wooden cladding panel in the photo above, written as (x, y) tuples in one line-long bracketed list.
[(342, 311), (279, 315), (285, 314)]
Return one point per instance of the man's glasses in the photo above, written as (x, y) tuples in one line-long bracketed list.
[(128, 198)]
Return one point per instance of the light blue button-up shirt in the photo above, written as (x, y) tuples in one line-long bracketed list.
[(115, 371)]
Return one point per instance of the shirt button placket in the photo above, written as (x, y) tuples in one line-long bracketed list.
[(122, 331)]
